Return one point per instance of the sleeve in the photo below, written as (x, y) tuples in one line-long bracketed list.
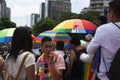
[(60, 64), (93, 46), (96, 41), (30, 60)]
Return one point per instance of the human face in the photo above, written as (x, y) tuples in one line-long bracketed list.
[(110, 16), (47, 47)]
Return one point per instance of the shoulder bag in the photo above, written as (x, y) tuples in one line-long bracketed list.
[(7, 77)]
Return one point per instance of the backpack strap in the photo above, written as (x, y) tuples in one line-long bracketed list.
[(22, 63), (104, 63), (116, 25), (102, 55)]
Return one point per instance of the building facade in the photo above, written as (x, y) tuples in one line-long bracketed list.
[(8, 12), (2, 8), (100, 6), (42, 10), (34, 18), (53, 8)]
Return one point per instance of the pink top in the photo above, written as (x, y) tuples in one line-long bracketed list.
[(44, 70)]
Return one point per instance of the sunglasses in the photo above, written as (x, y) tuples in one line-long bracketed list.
[(46, 68)]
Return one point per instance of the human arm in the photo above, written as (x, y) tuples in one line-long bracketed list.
[(58, 68), (2, 65), (37, 69), (30, 67), (72, 60), (30, 71), (57, 73), (93, 47)]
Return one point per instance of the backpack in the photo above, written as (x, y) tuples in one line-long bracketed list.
[(114, 71), (77, 68)]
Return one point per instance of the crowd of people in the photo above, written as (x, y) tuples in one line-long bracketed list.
[(62, 61)]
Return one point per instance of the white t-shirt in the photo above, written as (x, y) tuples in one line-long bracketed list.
[(13, 67)]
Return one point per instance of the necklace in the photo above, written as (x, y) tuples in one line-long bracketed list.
[(44, 70)]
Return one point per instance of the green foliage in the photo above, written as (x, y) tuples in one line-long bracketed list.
[(67, 15), (43, 25), (6, 23), (90, 15)]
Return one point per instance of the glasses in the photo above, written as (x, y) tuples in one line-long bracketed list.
[(46, 68)]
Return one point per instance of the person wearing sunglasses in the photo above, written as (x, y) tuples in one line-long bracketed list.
[(49, 65)]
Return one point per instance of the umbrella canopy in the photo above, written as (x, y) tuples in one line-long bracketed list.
[(75, 26), (6, 34), (55, 36), (35, 39)]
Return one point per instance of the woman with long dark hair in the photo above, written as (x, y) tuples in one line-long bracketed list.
[(20, 46)]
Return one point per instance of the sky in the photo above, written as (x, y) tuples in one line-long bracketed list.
[(21, 9)]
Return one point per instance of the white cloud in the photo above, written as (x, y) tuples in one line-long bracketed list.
[(78, 5), (21, 9), (20, 14)]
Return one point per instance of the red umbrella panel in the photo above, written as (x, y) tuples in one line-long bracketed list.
[(35, 39), (75, 26)]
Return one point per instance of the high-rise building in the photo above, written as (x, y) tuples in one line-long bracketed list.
[(2, 8), (42, 10), (34, 18), (8, 12), (53, 8), (100, 6)]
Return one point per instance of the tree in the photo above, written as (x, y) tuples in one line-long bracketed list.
[(90, 15), (6, 23), (43, 25), (67, 15)]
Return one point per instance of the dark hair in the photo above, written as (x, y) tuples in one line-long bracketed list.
[(29, 29), (46, 38), (115, 6), (102, 19), (75, 41), (21, 40), (59, 45)]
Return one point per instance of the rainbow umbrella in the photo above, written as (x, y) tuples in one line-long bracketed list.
[(35, 39), (6, 34), (55, 36), (75, 26)]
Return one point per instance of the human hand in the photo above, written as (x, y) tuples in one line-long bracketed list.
[(87, 58), (51, 57)]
